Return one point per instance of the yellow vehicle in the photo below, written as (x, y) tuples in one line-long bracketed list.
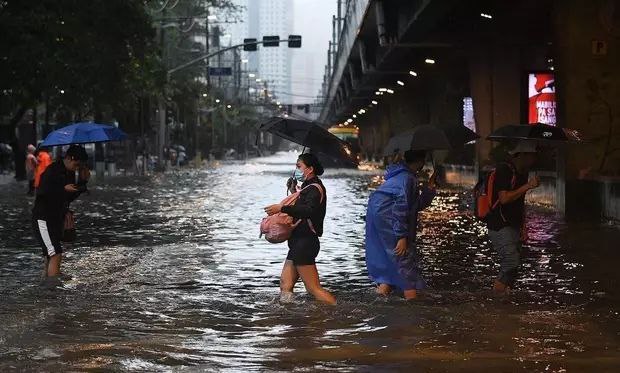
[(349, 134)]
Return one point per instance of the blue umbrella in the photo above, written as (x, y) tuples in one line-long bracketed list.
[(84, 133)]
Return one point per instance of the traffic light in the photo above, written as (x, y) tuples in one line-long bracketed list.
[(250, 47), (271, 41), (294, 41)]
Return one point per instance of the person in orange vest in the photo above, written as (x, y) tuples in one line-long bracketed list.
[(43, 160)]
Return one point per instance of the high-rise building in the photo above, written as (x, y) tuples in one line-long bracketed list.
[(260, 18), (275, 17)]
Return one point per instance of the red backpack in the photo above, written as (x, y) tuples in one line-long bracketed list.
[(483, 193)]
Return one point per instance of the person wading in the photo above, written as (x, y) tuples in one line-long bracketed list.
[(31, 167), (506, 221), (57, 189), (391, 227), (304, 241)]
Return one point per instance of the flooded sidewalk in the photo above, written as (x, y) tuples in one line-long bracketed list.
[(168, 274)]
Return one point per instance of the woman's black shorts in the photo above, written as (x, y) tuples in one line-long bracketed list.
[(303, 249)]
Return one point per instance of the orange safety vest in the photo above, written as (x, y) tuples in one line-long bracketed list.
[(45, 160)]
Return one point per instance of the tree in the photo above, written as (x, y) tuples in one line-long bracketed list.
[(84, 57)]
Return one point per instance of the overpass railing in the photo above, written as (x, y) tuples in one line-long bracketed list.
[(354, 17)]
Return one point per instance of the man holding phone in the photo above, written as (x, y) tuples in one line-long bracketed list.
[(57, 189)]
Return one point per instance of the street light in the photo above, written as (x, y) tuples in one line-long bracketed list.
[(413, 73)]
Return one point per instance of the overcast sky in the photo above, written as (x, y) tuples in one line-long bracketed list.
[(313, 20)]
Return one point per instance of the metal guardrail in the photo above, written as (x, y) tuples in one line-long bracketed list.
[(354, 17)]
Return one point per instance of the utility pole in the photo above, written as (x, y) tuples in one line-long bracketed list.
[(339, 19), (161, 104), (207, 74)]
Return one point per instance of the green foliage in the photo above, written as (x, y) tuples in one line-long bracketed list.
[(77, 54)]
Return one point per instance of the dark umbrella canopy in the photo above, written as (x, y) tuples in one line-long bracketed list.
[(310, 135), (84, 133), (424, 137), (458, 135), (538, 132)]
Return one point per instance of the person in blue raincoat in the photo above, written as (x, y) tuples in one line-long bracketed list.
[(391, 227)]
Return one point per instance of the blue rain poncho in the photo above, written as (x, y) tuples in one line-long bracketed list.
[(392, 214)]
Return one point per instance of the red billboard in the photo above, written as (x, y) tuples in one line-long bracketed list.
[(541, 98)]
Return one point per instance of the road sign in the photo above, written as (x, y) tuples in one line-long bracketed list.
[(220, 71), (599, 47)]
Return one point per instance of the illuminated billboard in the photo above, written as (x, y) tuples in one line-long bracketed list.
[(541, 98)]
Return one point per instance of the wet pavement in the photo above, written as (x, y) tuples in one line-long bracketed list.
[(169, 274)]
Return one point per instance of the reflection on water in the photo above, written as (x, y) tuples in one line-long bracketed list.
[(169, 273)]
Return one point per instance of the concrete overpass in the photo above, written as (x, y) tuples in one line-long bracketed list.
[(401, 63)]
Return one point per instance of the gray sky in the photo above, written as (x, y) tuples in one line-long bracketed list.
[(313, 20)]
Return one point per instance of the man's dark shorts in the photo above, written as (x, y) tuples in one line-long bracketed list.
[(48, 236)]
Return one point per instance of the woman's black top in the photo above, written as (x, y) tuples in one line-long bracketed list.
[(309, 206)]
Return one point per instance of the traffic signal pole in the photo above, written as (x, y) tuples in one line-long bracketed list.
[(294, 42), (220, 51)]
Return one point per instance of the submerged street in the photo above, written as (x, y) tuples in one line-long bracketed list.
[(168, 273)]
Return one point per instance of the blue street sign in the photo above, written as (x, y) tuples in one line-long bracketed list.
[(220, 71)]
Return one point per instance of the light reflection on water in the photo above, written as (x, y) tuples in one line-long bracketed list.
[(173, 275)]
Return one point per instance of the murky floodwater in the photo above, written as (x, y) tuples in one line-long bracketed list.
[(169, 275)]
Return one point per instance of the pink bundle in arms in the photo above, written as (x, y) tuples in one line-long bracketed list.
[(278, 228)]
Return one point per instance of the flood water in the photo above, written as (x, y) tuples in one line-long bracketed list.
[(169, 274)]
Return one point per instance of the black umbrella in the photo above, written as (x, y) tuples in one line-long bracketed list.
[(538, 132), (424, 137), (458, 135), (310, 135)]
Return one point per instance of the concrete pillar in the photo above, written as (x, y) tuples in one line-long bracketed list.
[(587, 56), (495, 87)]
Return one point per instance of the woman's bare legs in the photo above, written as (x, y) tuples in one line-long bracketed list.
[(288, 278), (310, 277)]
